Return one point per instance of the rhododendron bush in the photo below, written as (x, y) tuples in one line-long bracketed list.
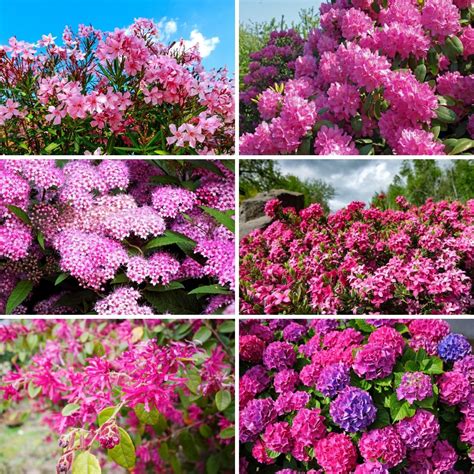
[(414, 260), (117, 92), (376, 77), (123, 237), (355, 396), (150, 396)]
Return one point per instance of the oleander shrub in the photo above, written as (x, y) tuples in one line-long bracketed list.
[(410, 260), (116, 237), (149, 396), (121, 92), (355, 396), (376, 77)]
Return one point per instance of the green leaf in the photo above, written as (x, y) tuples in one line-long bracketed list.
[(213, 464), (202, 335), (61, 277), (124, 453), (33, 390), (382, 420), (189, 446), (400, 409), (223, 399), (210, 290), (174, 285), (226, 327), (173, 302), (420, 72), (169, 238), (461, 145), (85, 463), (221, 217), (205, 431), (454, 46), (18, 295), (20, 213), (70, 408), (50, 148), (148, 417), (120, 278), (227, 433), (105, 415), (432, 366), (40, 238), (446, 115)]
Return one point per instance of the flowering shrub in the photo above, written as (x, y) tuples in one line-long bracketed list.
[(145, 395), (389, 76), (120, 92), (416, 260), (355, 396), (116, 237)]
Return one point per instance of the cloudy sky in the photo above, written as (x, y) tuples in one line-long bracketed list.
[(353, 180)]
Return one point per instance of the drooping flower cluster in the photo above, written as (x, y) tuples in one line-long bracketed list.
[(120, 92), (307, 404), (127, 386), (375, 77), (107, 236), (416, 260)]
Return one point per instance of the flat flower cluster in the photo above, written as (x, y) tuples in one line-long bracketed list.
[(356, 396), (145, 395), (118, 92), (116, 237), (390, 76), (415, 260)]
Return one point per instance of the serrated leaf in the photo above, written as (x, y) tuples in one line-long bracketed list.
[(148, 417), (70, 408), (85, 463), (18, 295), (221, 217), (223, 399), (202, 335), (124, 453)]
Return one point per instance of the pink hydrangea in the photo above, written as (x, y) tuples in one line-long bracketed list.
[(308, 426), (374, 361), (336, 454), (419, 431), (390, 337), (454, 388), (384, 445), (277, 437)]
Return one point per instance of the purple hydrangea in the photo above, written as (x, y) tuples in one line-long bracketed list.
[(332, 379), (353, 409), (415, 386), (255, 417), (454, 347), (279, 356), (294, 332), (374, 361), (419, 431), (323, 326), (466, 367), (370, 467)]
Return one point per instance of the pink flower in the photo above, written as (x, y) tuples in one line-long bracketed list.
[(55, 115)]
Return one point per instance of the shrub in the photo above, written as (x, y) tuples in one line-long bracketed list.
[(376, 78), (144, 395), (355, 396), (414, 260), (122, 92), (116, 237)]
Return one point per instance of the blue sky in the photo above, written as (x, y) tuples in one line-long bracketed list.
[(263, 10), (29, 19)]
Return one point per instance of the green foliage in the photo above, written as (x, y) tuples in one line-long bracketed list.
[(18, 295), (124, 453), (419, 180), (86, 463), (263, 175)]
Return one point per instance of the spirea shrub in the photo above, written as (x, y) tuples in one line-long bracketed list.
[(123, 237), (355, 396), (120, 92), (150, 396), (382, 77), (414, 260)]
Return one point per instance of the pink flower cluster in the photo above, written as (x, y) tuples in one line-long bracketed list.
[(304, 399), (416, 260), (121, 89), (94, 224), (98, 379), (374, 77)]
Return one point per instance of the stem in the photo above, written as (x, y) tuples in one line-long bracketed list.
[(114, 414), (221, 342)]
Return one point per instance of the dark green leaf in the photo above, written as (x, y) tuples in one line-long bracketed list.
[(18, 295), (210, 290), (124, 453), (61, 277), (20, 213), (221, 217)]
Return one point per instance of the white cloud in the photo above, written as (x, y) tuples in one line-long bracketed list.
[(171, 27), (205, 45)]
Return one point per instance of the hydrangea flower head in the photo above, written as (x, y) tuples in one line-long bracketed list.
[(279, 356), (384, 445), (419, 431), (336, 454), (332, 379), (454, 347), (415, 386), (374, 361)]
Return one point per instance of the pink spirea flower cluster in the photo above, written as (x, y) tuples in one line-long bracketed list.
[(371, 78), (92, 223), (129, 373), (123, 89), (366, 424), (361, 261)]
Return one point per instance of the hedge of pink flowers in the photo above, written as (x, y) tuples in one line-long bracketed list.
[(120, 92), (377, 77), (415, 260), (355, 396), (145, 395), (116, 237)]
